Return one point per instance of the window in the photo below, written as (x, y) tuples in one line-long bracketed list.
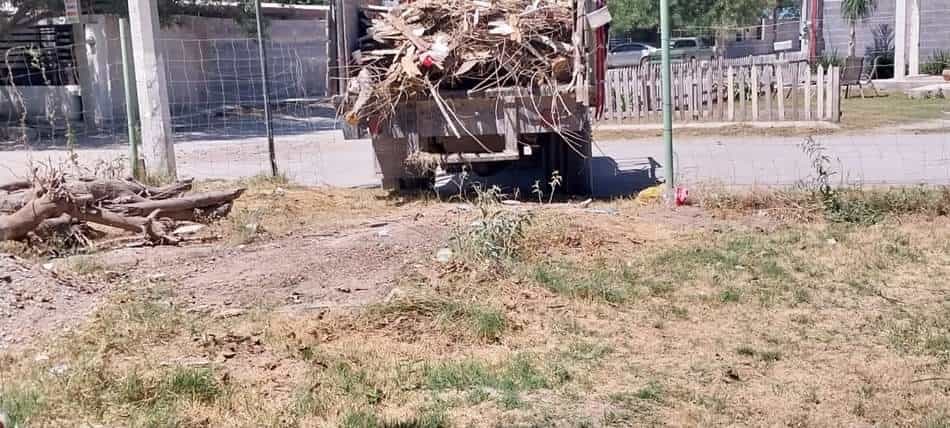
[(630, 47), (680, 44)]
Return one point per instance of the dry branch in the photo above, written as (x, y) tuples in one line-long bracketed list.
[(54, 205), (414, 50)]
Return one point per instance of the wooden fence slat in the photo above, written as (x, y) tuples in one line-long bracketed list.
[(767, 72), (820, 88), (780, 85), (836, 113), (635, 92), (628, 88), (807, 93), (830, 94), (684, 93), (755, 92), (707, 84), (731, 94), (793, 74), (608, 97), (743, 114), (618, 97)]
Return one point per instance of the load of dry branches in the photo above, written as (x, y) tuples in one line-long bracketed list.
[(57, 205), (416, 49)]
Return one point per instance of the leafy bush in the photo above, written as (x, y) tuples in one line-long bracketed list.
[(883, 47)]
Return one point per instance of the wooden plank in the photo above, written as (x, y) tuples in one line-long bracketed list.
[(820, 87), (721, 91), (796, 78), (681, 86), (618, 94), (705, 89), (608, 97), (755, 92), (635, 85), (780, 84), (836, 117), (743, 114), (830, 94), (807, 94), (767, 72), (696, 95), (731, 94)]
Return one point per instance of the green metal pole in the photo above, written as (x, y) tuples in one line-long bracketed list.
[(265, 75), (131, 97), (667, 96)]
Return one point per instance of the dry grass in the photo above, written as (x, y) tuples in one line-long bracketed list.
[(599, 321)]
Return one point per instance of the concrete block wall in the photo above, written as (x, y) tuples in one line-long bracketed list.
[(934, 26)]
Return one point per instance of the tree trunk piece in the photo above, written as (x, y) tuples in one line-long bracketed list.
[(187, 203)]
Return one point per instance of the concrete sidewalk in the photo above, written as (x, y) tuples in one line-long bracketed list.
[(324, 158)]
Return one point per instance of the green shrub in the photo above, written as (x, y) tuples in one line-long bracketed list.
[(938, 61)]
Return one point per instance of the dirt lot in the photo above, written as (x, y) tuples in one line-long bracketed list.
[(356, 309)]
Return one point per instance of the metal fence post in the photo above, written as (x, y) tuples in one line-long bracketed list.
[(265, 75), (131, 98), (667, 96)]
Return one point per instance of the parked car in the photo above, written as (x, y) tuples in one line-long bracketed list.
[(628, 54), (686, 49)]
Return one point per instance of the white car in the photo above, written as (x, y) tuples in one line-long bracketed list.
[(628, 54)]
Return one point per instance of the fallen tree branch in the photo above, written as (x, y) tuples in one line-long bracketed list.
[(183, 204)]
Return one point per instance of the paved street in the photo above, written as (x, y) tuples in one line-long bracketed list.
[(324, 158)]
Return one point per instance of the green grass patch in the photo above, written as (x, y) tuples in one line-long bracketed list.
[(476, 320), (507, 381), (599, 283)]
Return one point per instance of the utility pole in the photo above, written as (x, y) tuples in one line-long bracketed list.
[(151, 82), (670, 174), (265, 75)]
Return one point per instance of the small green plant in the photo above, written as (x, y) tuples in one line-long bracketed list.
[(18, 405), (730, 295), (830, 59), (939, 60), (836, 207), (197, 384), (246, 226), (494, 238), (653, 391)]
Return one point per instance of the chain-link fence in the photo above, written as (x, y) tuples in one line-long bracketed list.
[(63, 88)]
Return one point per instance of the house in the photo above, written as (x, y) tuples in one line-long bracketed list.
[(919, 29)]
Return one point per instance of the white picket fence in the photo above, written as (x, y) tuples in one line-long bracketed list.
[(718, 92)]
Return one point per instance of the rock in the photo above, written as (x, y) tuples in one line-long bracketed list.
[(344, 290), (189, 229), (384, 233), (229, 313), (586, 203), (444, 255), (228, 354)]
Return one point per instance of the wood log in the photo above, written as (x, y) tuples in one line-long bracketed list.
[(18, 225), (13, 186), (108, 190), (11, 202), (187, 203)]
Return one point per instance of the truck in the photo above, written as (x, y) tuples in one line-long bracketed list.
[(515, 138)]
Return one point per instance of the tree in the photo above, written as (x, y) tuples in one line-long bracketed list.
[(854, 11), (689, 14)]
